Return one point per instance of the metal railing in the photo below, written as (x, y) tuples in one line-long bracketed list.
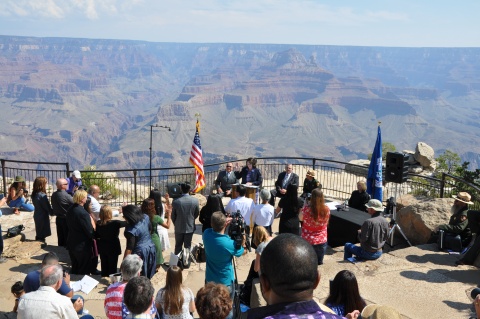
[(338, 179)]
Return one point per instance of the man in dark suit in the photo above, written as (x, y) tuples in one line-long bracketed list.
[(185, 210), (284, 179), (224, 181)]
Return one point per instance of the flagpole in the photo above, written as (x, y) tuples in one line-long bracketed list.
[(151, 145)]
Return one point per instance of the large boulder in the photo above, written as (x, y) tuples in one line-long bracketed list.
[(424, 155), (418, 216), (358, 167)]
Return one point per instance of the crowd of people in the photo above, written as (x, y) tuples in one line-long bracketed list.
[(285, 266)]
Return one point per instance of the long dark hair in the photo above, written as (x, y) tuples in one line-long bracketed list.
[(344, 291), (132, 214), (317, 206), (214, 204), (39, 185), (157, 197), (292, 197)]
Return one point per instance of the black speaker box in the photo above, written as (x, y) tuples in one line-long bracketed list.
[(396, 170)]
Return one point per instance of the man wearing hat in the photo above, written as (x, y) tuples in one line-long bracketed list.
[(310, 183), (74, 182), (373, 234), (458, 224)]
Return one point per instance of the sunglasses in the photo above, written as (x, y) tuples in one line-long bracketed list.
[(229, 166)]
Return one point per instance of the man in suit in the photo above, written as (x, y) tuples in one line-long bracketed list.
[(224, 181), (284, 179), (185, 210)]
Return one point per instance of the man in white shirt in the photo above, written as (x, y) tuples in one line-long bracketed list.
[(243, 204), (46, 302), (94, 194)]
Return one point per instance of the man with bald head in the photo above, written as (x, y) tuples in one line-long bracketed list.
[(288, 277), (94, 194), (46, 302), (61, 202)]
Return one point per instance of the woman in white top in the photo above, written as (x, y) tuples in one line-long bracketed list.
[(263, 214), (175, 300)]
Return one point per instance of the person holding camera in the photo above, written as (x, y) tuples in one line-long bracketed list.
[(220, 250), (74, 182), (185, 210), (16, 196)]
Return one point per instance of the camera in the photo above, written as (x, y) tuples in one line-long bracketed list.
[(25, 191), (82, 187), (390, 205), (236, 231)]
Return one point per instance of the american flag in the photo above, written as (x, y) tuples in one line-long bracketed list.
[(196, 159)]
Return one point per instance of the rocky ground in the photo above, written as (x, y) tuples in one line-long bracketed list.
[(420, 281)]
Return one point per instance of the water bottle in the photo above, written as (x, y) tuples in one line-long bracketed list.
[(345, 205)]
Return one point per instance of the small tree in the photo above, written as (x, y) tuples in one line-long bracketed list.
[(104, 182), (448, 162), (386, 147)]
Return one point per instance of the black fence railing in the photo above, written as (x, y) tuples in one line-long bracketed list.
[(338, 179)]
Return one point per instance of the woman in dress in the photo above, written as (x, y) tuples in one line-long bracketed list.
[(107, 233), (360, 197), (162, 210), (16, 196), (250, 174), (175, 300), (315, 216), (139, 241), (289, 205), (214, 204), (148, 208), (344, 294), (80, 235), (43, 209)]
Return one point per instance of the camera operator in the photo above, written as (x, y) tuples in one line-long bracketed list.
[(220, 250), (74, 182)]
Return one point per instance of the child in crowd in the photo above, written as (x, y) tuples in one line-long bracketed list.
[(107, 240), (18, 292)]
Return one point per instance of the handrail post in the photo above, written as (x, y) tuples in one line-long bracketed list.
[(313, 163), (442, 186), (135, 185), (4, 180), (68, 169)]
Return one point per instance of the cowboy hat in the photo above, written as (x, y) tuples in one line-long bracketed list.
[(311, 173), (463, 197), (19, 179), (380, 312)]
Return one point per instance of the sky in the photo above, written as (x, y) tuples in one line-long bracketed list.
[(399, 23)]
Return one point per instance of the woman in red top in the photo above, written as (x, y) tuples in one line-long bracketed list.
[(315, 216)]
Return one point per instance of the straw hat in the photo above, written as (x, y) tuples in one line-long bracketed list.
[(311, 173), (380, 312), (19, 179), (464, 197)]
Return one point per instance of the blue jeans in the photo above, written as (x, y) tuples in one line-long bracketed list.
[(320, 250), (352, 249), (20, 204), (231, 289)]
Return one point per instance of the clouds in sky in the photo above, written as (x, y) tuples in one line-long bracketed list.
[(347, 22)]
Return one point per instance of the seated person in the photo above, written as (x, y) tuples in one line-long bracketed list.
[(458, 224), (225, 180), (373, 234), (310, 183), (288, 277), (360, 197), (286, 178), (16, 196), (472, 253), (213, 301)]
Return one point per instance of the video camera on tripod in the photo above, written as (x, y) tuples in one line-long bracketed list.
[(237, 230)]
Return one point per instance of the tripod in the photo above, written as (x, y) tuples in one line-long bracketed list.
[(393, 222)]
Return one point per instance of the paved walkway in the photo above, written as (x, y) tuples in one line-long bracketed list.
[(420, 282)]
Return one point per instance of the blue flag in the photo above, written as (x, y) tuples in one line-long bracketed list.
[(374, 178)]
